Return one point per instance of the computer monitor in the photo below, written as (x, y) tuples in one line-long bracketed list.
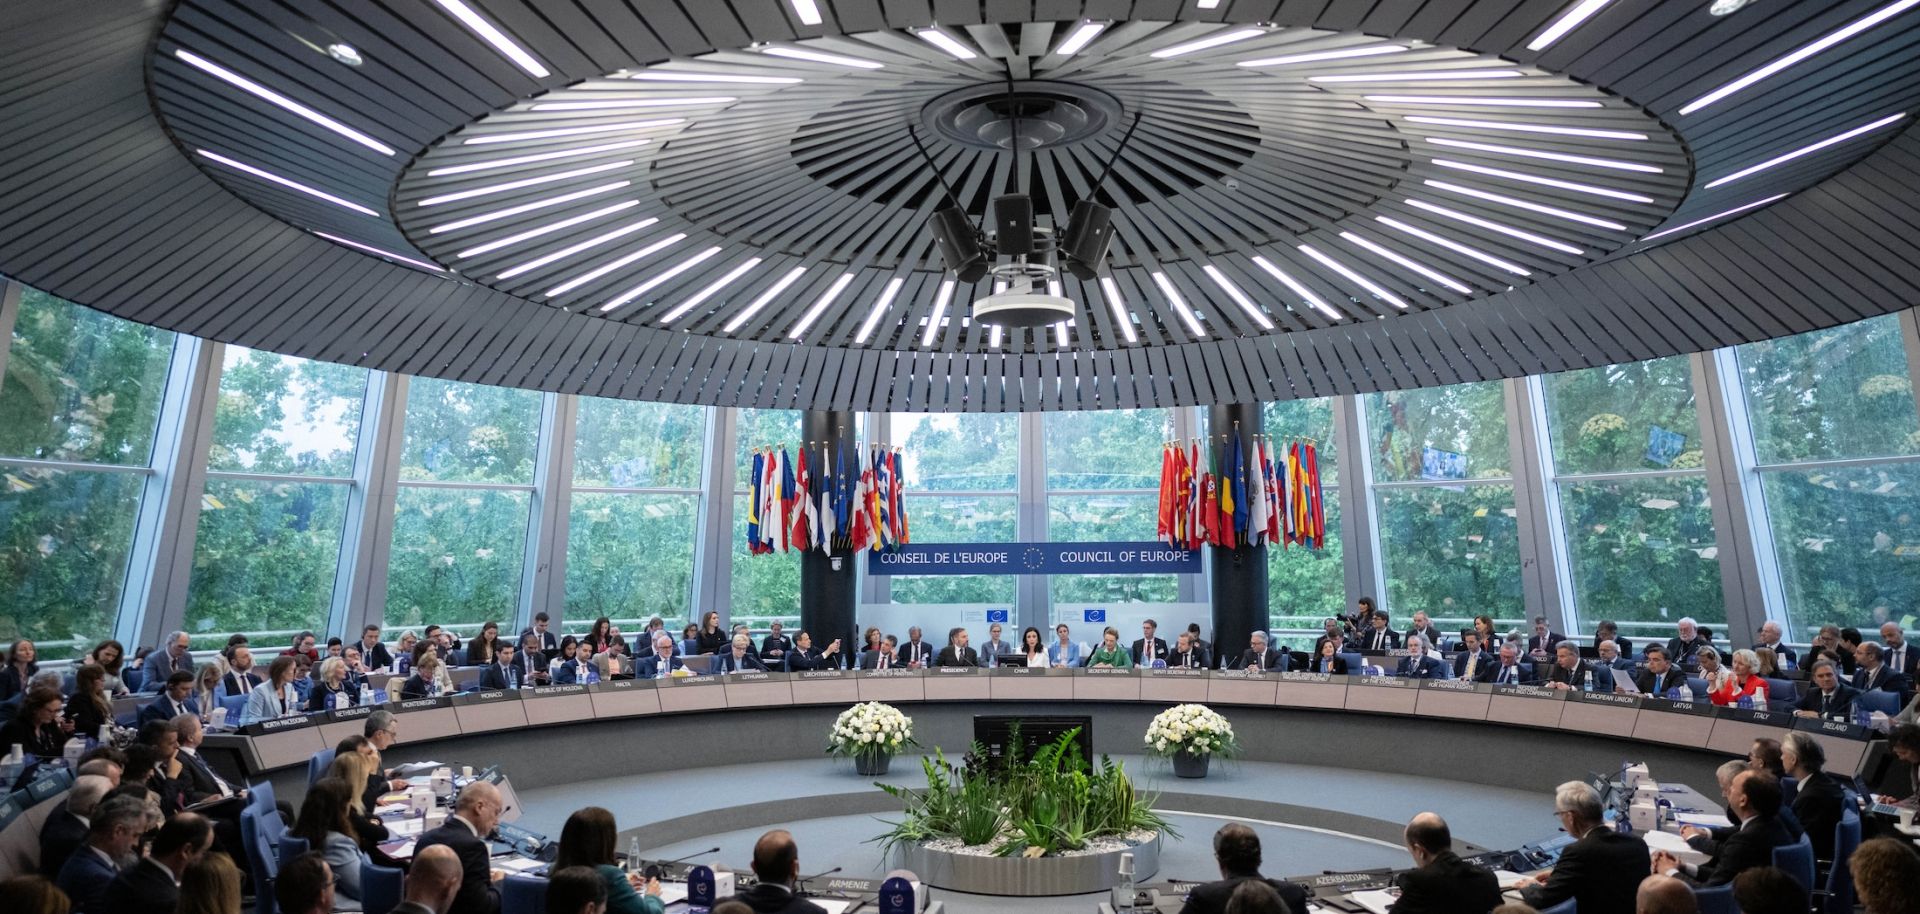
[(995, 733)]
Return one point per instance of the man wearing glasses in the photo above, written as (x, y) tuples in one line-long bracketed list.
[(1601, 868)]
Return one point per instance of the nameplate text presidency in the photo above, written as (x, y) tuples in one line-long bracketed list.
[(1035, 558)]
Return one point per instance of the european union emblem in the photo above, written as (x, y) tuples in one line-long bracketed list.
[(997, 615), (1094, 615)]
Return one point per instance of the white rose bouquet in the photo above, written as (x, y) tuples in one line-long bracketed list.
[(1193, 729), (870, 728)]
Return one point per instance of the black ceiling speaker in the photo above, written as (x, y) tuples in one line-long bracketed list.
[(1013, 225), (1089, 233), (959, 244)]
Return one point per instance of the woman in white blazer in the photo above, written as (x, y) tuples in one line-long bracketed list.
[(275, 697)]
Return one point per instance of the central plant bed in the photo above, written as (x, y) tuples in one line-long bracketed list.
[(1052, 824)]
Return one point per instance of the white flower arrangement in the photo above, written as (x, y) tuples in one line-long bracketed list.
[(1194, 729), (870, 728)]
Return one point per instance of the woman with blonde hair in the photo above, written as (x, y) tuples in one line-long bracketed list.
[(206, 685), (330, 688), (358, 769), (1716, 675), (210, 885), (425, 682)]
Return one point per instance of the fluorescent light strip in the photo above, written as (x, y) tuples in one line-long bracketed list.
[(1207, 4), (571, 131), (838, 60), (1455, 246), (648, 285), (1060, 334), (820, 306), (879, 308), (1737, 209), (1476, 101), (1526, 205), (1305, 293), (994, 340), (1568, 21), (1081, 36), (947, 43), (1824, 42), (573, 249), (939, 311), (1410, 77), (547, 229), (603, 270), (524, 182), (618, 104), (1179, 304), (494, 36), (1542, 154), (806, 11), (1239, 298), (1492, 226), (1430, 273), (1362, 281), (288, 183), (336, 239), (1547, 182), (276, 98), (1341, 54), (744, 79), (761, 301), (497, 215), (1525, 128), (1807, 150), (1211, 41), (536, 157), (1119, 308)]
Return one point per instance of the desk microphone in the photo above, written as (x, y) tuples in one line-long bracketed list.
[(806, 879), (656, 870)]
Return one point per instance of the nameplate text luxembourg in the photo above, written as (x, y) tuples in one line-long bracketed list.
[(1034, 558)]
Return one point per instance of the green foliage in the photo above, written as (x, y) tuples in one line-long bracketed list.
[(1307, 585), (959, 452), (1465, 419), (764, 587)]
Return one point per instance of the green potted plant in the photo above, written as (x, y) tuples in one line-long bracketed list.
[(1190, 735)]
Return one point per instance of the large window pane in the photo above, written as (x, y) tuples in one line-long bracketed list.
[(1829, 394), (264, 559), (764, 587), (958, 452), (1102, 518), (630, 556), (1457, 432), (1636, 416), (64, 538), (1643, 551), (470, 432), (81, 385), (1848, 543), (1305, 585), (764, 428), (279, 414), (959, 519), (1107, 449), (457, 555), (1454, 552), (1313, 418), (630, 444)]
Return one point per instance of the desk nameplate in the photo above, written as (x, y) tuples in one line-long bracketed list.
[(491, 711), (353, 714), (557, 704), (758, 690), (1600, 712), (958, 683), (824, 687), (1382, 694), (1458, 699), (1230, 687), (1311, 690), (691, 693), (1665, 721), (1106, 684), (891, 685), (625, 697), (1846, 743), (488, 696), (1734, 733), (1031, 684), (1527, 705), (1173, 686)]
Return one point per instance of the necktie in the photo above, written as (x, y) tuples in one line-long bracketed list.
[(1473, 660), (883, 660)]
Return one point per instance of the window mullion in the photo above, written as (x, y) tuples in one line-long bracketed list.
[(366, 543), (160, 562)]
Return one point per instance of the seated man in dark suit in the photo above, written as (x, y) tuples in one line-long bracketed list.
[(1424, 627), (1379, 636), (957, 653), (1331, 630), (502, 673), (1511, 671), (1755, 796), (1237, 850), (1186, 655), (1601, 867), (776, 864), (1612, 657), (1443, 883), (1829, 698), (659, 662), (1147, 648), (305, 885), (1685, 647), (1819, 799), (1473, 662), (531, 660), (1570, 673), (774, 650), (1420, 664), (915, 654), (475, 813), (172, 701), (1660, 676), (113, 835), (1872, 673), (803, 657), (545, 641), (887, 658), (1260, 657), (739, 658), (373, 651), (1541, 643), (66, 828), (152, 884), (1609, 630)]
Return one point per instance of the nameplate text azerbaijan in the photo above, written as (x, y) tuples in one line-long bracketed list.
[(1035, 558)]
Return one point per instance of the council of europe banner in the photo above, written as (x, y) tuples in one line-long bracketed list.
[(1034, 558)]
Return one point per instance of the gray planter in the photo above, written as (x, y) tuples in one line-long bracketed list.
[(872, 765), (1025, 877), (1190, 765)]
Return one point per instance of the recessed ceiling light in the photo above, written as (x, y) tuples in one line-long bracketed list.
[(838, 60), (624, 103), (1727, 7), (1568, 21), (1430, 273), (1060, 335), (547, 229), (1179, 304), (1546, 182), (1543, 154), (763, 298), (1415, 77), (574, 153), (1207, 4), (1805, 51), (1807, 150), (611, 266), (1719, 215), (1079, 38), (1298, 288), (1239, 298), (1454, 246), (744, 79), (1493, 226), (497, 215), (287, 182), (573, 249), (1474, 100), (345, 53), (649, 284), (1526, 128), (524, 182), (820, 306), (947, 43), (433, 267), (571, 131), (806, 11), (993, 341), (940, 300), (1527, 205), (879, 308), (266, 94), (1354, 277), (1211, 41), (1119, 308), (1314, 56), (494, 36)]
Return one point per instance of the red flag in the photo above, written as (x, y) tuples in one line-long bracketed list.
[(1163, 521)]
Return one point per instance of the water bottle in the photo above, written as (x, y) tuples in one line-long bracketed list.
[(1673, 694), (366, 693), (633, 854), (1745, 703), (1123, 891), (1862, 716)]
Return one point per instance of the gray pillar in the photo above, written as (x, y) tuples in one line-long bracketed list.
[(1238, 575), (829, 584)]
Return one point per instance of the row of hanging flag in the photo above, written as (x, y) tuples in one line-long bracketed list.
[(848, 503), (1245, 495)]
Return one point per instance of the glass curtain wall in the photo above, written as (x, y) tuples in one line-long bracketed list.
[(1306, 585), (1103, 483), (961, 474), (633, 520), (764, 587)]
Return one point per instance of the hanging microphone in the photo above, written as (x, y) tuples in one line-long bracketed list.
[(656, 870)]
